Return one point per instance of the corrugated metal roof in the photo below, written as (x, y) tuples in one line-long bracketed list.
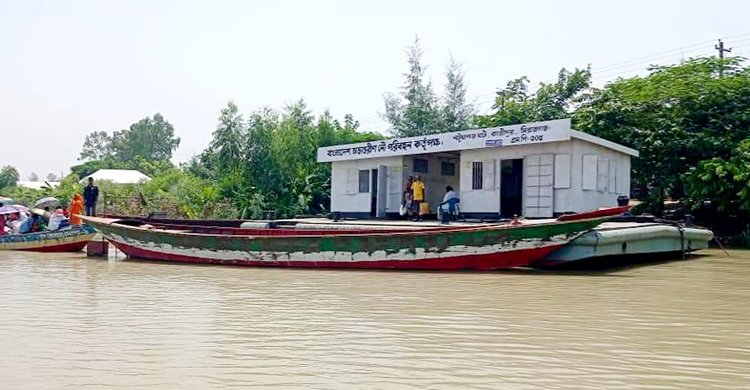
[(119, 176)]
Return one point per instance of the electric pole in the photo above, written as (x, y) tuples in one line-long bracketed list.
[(721, 49)]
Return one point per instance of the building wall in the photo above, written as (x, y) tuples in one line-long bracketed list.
[(434, 181), (607, 175), (345, 195), (568, 193)]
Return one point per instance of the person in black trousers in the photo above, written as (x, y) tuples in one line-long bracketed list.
[(90, 196)]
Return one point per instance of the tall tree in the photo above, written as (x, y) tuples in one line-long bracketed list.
[(150, 138), (8, 177), (33, 177), (414, 111), (229, 138), (457, 112), (96, 146), (51, 177), (514, 104)]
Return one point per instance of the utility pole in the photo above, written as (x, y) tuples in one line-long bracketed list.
[(721, 49)]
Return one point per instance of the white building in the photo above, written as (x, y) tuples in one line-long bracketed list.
[(118, 176), (537, 170)]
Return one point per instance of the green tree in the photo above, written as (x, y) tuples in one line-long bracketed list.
[(96, 146), (8, 177), (229, 138), (677, 116), (150, 138), (33, 177), (724, 181), (414, 111), (514, 104), (456, 112)]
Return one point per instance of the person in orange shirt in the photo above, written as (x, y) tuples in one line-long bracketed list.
[(76, 209)]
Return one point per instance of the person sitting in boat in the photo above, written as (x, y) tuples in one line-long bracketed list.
[(17, 221), (58, 220), (2, 225)]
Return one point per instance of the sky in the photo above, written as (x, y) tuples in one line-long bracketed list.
[(73, 67)]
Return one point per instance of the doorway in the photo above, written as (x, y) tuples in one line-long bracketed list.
[(374, 193), (511, 187)]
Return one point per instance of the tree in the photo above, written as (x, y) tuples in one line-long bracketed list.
[(229, 138), (725, 181), (51, 177), (414, 111), (514, 104), (8, 177), (96, 146), (677, 116), (457, 112), (33, 177), (150, 138)]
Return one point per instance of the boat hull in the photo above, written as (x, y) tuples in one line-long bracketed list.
[(631, 240), (483, 248), (67, 240)]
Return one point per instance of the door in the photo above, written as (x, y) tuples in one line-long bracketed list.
[(373, 192), (381, 200), (539, 175), (511, 187)]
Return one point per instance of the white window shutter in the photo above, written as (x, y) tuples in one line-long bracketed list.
[(466, 170), (352, 181), (488, 175), (612, 186), (562, 171), (589, 172), (602, 172)]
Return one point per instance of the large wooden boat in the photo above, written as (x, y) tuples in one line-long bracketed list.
[(477, 247), (70, 239)]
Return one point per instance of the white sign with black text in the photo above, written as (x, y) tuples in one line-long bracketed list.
[(495, 137)]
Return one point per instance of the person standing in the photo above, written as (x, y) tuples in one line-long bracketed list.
[(90, 196), (76, 209), (417, 189)]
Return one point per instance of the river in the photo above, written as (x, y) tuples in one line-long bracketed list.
[(71, 322)]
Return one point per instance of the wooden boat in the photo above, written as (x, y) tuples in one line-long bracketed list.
[(71, 239), (482, 247)]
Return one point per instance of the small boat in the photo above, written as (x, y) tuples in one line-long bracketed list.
[(69, 239), (475, 247), (631, 240)]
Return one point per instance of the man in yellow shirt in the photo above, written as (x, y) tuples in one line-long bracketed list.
[(417, 189)]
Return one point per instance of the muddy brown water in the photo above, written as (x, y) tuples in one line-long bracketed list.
[(71, 322)]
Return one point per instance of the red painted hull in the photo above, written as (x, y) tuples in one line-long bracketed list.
[(484, 262), (69, 247)]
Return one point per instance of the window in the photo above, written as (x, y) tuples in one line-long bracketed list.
[(589, 177), (420, 165), (476, 175), (447, 168), (364, 181)]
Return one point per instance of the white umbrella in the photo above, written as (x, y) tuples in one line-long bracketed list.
[(49, 201), (13, 208)]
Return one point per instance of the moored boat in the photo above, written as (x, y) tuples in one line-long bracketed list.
[(71, 239), (482, 247), (629, 240)]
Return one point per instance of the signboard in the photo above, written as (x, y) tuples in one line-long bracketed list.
[(495, 137)]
